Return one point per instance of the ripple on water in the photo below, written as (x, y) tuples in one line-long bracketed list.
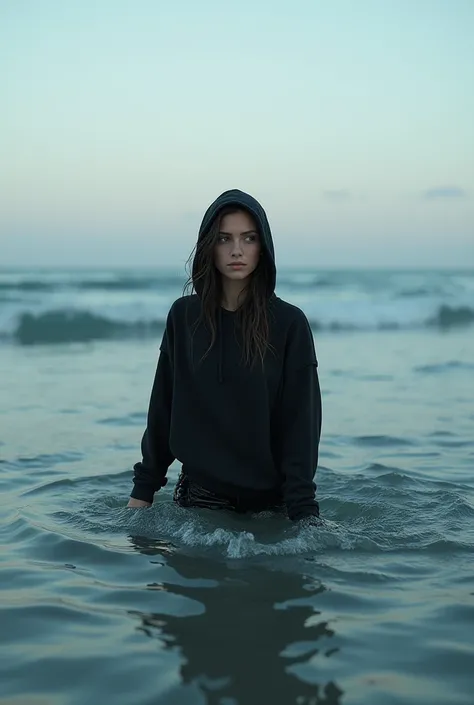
[(381, 441), (46, 460), (438, 368), (137, 418), (378, 510)]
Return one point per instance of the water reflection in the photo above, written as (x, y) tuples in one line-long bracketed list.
[(257, 628)]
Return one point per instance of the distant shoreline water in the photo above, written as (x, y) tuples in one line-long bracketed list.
[(48, 306)]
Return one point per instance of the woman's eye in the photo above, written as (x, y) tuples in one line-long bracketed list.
[(222, 239)]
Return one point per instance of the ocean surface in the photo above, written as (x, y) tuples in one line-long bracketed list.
[(102, 604)]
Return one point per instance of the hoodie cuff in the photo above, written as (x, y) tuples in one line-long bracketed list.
[(143, 492)]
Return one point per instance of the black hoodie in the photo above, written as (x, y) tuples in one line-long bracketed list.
[(239, 431)]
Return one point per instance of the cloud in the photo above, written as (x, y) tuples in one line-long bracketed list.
[(337, 196), (439, 192)]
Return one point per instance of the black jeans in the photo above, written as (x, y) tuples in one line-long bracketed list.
[(188, 493)]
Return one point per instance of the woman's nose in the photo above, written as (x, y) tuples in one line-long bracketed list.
[(236, 247)]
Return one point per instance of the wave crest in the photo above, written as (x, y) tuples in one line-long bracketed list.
[(79, 326), (74, 325)]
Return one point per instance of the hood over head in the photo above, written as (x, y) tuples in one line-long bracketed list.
[(245, 202)]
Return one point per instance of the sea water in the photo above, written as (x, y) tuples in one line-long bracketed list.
[(101, 604)]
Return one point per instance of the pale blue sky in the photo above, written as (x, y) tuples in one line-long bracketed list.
[(351, 121)]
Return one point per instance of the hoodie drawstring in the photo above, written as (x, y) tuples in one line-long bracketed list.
[(220, 376)]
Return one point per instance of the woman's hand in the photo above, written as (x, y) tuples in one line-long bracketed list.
[(132, 502)]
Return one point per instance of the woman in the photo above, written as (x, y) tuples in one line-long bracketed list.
[(236, 396)]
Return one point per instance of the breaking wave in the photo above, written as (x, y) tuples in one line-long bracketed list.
[(448, 316), (79, 326), (67, 326)]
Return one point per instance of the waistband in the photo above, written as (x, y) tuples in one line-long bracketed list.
[(229, 491), (189, 493)]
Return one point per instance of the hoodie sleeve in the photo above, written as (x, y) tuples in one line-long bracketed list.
[(150, 473), (300, 422)]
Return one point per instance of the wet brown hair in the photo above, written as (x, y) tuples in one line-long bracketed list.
[(206, 281)]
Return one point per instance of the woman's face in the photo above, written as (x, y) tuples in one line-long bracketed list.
[(237, 251)]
